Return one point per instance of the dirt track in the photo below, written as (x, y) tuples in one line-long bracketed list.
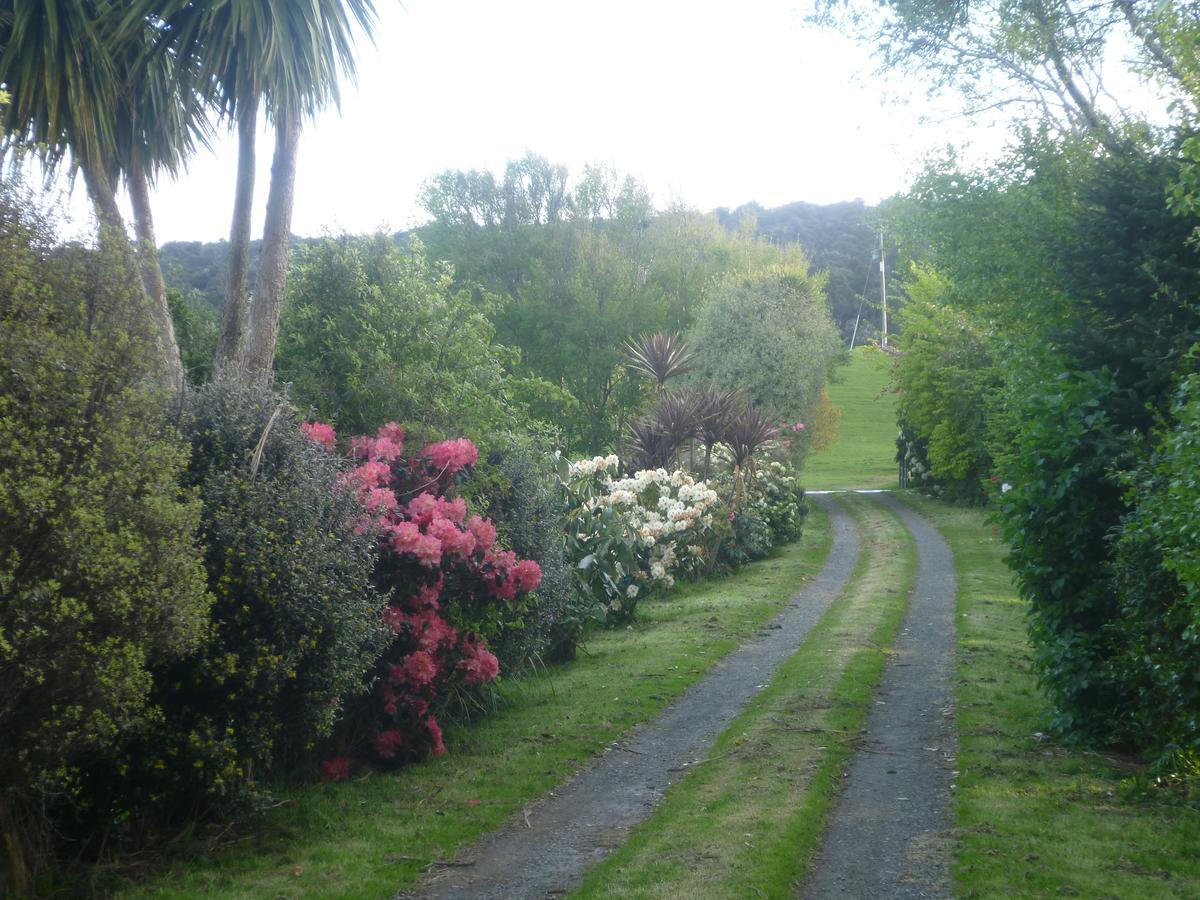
[(889, 832)]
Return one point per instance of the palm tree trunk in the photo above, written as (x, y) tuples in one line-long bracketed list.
[(237, 283), (152, 277), (271, 282), (114, 237)]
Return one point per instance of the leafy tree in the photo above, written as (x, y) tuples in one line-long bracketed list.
[(1045, 57), (771, 336), (1079, 283), (375, 332), (948, 382), (583, 269), (83, 85)]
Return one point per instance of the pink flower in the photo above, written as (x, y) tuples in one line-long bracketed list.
[(417, 669), (418, 706), (455, 510), (431, 631), (379, 500), (427, 594), (392, 432), (319, 433), (435, 732), (404, 537), (484, 531), (479, 666), (422, 508), (451, 456), (388, 743), (454, 540), (368, 475), (394, 618), (336, 769), (428, 551), (527, 575)]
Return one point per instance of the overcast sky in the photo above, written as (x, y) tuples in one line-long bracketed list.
[(710, 103)]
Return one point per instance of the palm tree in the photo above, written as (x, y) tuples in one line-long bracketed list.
[(160, 117), (78, 92), (286, 57)]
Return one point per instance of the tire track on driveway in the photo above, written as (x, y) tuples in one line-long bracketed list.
[(890, 831)]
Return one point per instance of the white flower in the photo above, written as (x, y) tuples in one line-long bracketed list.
[(1005, 488), (632, 591)]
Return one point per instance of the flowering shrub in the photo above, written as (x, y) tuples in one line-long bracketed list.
[(630, 536), (776, 491), (771, 511), (447, 583)]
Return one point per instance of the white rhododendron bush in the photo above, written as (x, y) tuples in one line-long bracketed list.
[(631, 536)]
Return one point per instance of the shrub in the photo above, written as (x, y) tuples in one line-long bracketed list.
[(771, 511), (1066, 497), (295, 625), (373, 331), (527, 507), (448, 583), (947, 380), (100, 574), (627, 537), (1156, 562)]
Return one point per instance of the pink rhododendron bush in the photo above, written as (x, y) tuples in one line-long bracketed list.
[(449, 586)]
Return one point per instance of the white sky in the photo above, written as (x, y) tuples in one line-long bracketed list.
[(711, 103)]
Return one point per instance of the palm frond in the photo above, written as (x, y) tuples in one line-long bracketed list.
[(747, 434), (659, 356)]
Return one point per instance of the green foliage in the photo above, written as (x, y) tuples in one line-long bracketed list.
[(1156, 564), (195, 331), (1057, 518), (527, 507), (840, 241), (1067, 301), (100, 573), (584, 268), (374, 332), (771, 511), (770, 336), (947, 381), (294, 627)]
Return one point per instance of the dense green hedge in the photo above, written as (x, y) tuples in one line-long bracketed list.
[(101, 578)]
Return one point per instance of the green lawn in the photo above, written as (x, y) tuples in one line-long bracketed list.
[(746, 821), (863, 456), (376, 834), (1034, 819)]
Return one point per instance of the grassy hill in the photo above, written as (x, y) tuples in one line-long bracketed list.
[(863, 456)]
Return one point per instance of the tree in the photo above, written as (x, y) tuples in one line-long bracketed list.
[(1043, 55), (286, 58), (582, 275), (770, 335), (100, 574), (374, 332), (83, 87)]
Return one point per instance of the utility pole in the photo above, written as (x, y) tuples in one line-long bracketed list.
[(883, 286)]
